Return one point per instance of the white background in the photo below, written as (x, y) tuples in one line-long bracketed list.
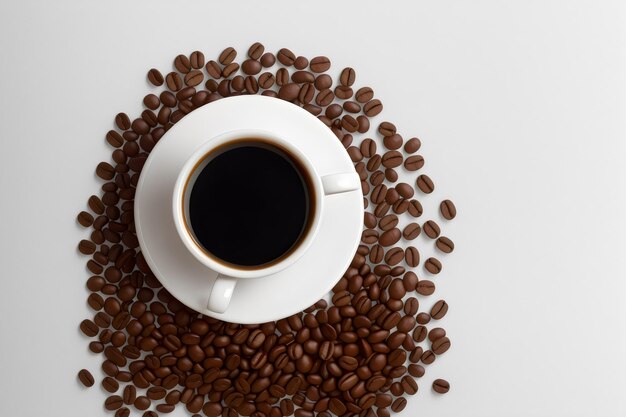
[(520, 107)]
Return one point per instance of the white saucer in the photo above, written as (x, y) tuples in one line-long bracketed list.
[(262, 299)]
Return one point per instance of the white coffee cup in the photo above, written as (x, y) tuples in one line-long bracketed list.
[(322, 187)]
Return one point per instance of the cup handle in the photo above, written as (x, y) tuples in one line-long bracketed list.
[(341, 183), (221, 293)]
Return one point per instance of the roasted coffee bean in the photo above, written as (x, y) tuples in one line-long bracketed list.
[(381, 209), (425, 184), (286, 57), (324, 97), (96, 205), (349, 123), (194, 78), (301, 63), (122, 412), (390, 237), (89, 328), (343, 93), (376, 254), (377, 178), (227, 56), (428, 357), (415, 208), (196, 59), (423, 318), (364, 94), (289, 91), (444, 244), (110, 384), (433, 265), (251, 67), (388, 222), (114, 139), (447, 209), (412, 145), (372, 107), (266, 80), (439, 310), (410, 281), (411, 305), (398, 405), (411, 231), (182, 64), (392, 159), (441, 345), (394, 256), (85, 378), (352, 107), (230, 69), (86, 247), (319, 64), (412, 256), (414, 162), (409, 385), (143, 403), (431, 229), (364, 124), (393, 142), (155, 77), (405, 190), (419, 334), (173, 81), (214, 69), (113, 402), (268, 59), (436, 334), (378, 193), (368, 147), (441, 386), (256, 50), (425, 287)]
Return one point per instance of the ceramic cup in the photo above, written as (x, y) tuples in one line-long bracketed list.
[(229, 274)]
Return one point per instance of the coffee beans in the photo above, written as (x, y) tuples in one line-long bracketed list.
[(444, 244), (319, 64), (341, 359), (85, 378), (425, 184), (431, 229), (439, 310), (441, 386), (433, 265), (155, 77), (448, 210)]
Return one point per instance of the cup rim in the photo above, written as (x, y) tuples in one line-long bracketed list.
[(180, 188)]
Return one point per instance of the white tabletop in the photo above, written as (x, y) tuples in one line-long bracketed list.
[(520, 107)]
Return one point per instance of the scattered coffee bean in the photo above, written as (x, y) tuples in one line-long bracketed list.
[(390, 237), (431, 229), (441, 345), (412, 145), (393, 142), (425, 184), (85, 378), (412, 257), (439, 310), (448, 210), (433, 265), (425, 287), (414, 162), (444, 244), (373, 108), (155, 77), (441, 386), (227, 56), (319, 64)]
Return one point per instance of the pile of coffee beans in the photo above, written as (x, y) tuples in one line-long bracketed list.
[(358, 356)]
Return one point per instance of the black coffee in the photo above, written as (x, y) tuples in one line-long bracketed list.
[(250, 205)]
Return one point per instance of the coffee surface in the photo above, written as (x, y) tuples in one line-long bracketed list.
[(249, 205)]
